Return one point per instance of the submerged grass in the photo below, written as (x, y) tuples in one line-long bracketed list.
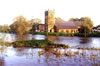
[(37, 44)]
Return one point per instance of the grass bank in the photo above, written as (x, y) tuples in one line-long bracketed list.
[(37, 44), (92, 34), (53, 34)]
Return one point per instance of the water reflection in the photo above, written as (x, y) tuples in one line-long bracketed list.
[(2, 61), (71, 41), (83, 57), (10, 56), (95, 42), (85, 40), (49, 57), (51, 38), (38, 37), (23, 37), (2, 55)]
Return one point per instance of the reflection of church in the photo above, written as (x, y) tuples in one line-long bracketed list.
[(52, 25)]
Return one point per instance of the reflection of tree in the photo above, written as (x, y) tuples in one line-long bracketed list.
[(24, 52), (2, 49), (20, 51), (57, 38), (2, 37), (23, 37), (50, 56), (2, 61), (51, 38), (29, 54), (2, 44), (85, 40)]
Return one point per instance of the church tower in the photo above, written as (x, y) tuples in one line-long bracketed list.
[(49, 20)]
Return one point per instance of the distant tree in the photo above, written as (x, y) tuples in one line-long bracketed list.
[(98, 25), (88, 21), (85, 28), (85, 23), (20, 25), (77, 21), (4, 28), (34, 22), (74, 19)]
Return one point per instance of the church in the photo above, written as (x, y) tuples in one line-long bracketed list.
[(53, 25)]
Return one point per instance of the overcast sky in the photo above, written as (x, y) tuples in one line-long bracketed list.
[(65, 9)]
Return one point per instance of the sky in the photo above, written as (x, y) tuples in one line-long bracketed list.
[(65, 9)]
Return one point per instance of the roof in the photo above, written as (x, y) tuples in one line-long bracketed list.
[(78, 23), (65, 24)]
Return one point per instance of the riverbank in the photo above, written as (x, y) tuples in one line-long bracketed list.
[(37, 44), (92, 34)]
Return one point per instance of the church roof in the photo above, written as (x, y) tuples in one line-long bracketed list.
[(65, 24)]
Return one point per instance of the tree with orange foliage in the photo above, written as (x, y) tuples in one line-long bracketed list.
[(20, 25)]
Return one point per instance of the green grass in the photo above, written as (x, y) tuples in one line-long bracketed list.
[(42, 33), (92, 34), (37, 44), (53, 34), (79, 34)]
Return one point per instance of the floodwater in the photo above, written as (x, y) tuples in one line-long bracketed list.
[(92, 42), (10, 56)]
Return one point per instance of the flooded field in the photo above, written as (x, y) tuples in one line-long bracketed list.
[(93, 42), (10, 56)]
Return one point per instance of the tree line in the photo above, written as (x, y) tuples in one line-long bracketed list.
[(22, 25), (86, 24)]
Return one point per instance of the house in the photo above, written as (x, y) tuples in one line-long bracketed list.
[(96, 29)]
